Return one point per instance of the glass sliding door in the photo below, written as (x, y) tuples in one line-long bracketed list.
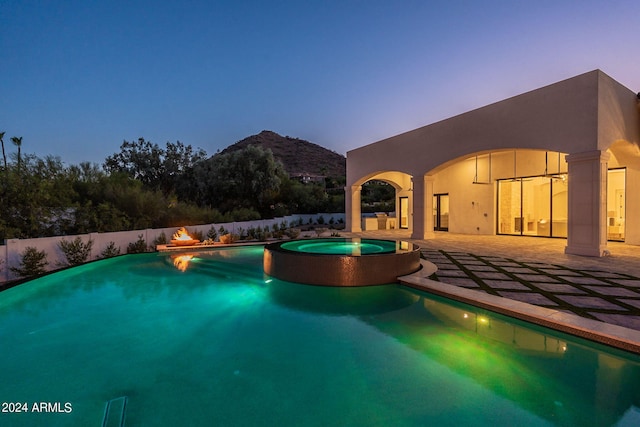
[(559, 205), (533, 206), (441, 212), (616, 202), (404, 212), (536, 207), (509, 207)]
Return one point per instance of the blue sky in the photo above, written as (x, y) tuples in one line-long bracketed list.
[(79, 77)]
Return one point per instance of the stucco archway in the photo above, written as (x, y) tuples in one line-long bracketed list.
[(581, 117), (400, 181)]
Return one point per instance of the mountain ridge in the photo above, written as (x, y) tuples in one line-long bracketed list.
[(299, 157)]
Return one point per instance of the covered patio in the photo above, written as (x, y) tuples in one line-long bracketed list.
[(561, 161)]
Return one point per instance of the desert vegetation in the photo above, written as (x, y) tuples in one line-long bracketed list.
[(145, 185)]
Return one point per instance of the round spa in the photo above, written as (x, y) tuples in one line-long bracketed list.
[(341, 261)]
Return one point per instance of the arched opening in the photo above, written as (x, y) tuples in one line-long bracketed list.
[(515, 192), (380, 201)]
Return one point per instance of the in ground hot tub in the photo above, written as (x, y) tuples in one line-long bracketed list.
[(341, 261)]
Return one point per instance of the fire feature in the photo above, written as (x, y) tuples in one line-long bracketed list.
[(182, 238)]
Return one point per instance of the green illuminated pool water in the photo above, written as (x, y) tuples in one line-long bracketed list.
[(220, 344), (344, 246)]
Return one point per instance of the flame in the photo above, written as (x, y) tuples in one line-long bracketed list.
[(181, 262), (181, 234)]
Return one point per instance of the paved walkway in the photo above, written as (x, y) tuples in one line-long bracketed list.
[(537, 271)]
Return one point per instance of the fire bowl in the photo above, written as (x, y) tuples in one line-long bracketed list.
[(180, 242)]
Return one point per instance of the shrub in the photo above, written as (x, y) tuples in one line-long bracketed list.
[(138, 246), (212, 234), (242, 234), (244, 214), (251, 233), (33, 262), (110, 251), (228, 238), (75, 251), (293, 233), (160, 240), (196, 235), (320, 220)]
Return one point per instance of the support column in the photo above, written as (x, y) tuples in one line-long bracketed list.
[(587, 214), (352, 208), (422, 212)]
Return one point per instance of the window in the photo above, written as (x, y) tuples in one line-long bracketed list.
[(533, 206)]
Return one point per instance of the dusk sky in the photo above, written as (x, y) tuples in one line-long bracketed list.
[(79, 77)]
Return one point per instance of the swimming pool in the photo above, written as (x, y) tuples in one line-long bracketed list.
[(220, 343)]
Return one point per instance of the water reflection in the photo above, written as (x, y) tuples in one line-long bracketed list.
[(566, 380), (492, 328), (181, 262), (356, 301)]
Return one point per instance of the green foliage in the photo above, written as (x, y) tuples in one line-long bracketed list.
[(248, 178), (258, 233), (32, 263), (378, 196), (146, 186), (138, 246), (242, 233), (156, 168), (35, 199), (212, 234), (160, 240), (75, 251), (243, 214), (196, 235), (110, 251)]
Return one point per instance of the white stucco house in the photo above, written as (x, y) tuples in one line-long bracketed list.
[(560, 161)]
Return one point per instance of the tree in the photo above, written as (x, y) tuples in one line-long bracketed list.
[(247, 178), (4, 154), (156, 168), (17, 141), (36, 202)]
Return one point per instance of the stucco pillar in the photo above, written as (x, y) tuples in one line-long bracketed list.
[(352, 204), (587, 232), (422, 208)]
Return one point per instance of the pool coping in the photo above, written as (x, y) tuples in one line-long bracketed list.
[(604, 333)]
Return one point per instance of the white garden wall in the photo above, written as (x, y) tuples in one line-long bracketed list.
[(10, 252)]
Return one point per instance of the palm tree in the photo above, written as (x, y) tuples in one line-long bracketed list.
[(17, 141), (4, 155)]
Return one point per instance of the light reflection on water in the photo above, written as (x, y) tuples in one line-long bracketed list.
[(222, 343), (352, 246)]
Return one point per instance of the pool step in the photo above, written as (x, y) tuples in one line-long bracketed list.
[(114, 412)]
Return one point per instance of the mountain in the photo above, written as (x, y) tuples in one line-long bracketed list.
[(300, 158)]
